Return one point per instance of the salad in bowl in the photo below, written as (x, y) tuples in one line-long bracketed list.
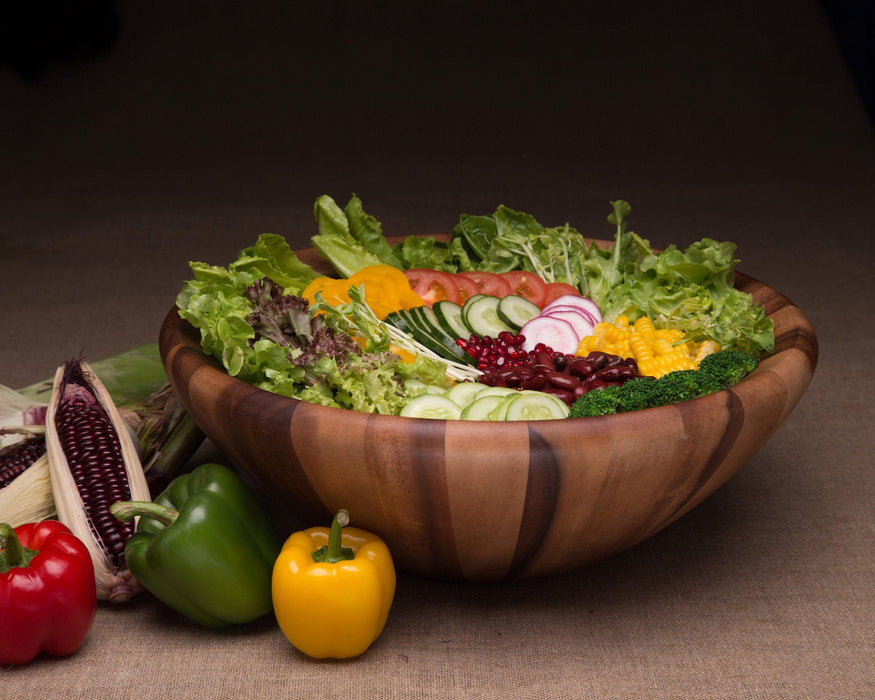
[(503, 319)]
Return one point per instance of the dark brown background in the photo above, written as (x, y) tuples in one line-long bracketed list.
[(181, 133)]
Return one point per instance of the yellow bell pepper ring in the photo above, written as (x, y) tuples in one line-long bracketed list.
[(332, 589)]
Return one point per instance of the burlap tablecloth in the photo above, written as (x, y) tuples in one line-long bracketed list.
[(205, 124)]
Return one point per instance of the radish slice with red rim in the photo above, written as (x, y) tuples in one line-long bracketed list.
[(578, 302), (552, 332), (581, 321), (573, 309)]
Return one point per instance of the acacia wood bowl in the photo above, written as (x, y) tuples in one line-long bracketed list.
[(490, 501)]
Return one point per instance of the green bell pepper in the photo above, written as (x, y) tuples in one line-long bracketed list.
[(204, 547)]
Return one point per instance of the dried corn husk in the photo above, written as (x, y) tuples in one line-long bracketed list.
[(28, 497), (166, 432), (114, 583)]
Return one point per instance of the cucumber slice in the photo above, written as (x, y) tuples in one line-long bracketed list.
[(424, 329), (496, 391), (414, 386), (428, 317), (463, 393), (515, 311), (449, 317), (482, 408), (535, 405), (500, 411), (432, 406), (400, 320), (481, 316)]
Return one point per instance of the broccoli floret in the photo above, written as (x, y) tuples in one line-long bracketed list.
[(637, 393), (716, 372), (726, 368), (681, 385), (598, 402)]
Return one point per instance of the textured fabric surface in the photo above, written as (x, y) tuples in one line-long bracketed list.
[(204, 125)]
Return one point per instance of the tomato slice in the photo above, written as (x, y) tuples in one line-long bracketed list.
[(467, 287), (432, 285), (488, 283), (527, 285), (554, 290)]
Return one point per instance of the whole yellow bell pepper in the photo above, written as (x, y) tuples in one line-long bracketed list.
[(332, 589)]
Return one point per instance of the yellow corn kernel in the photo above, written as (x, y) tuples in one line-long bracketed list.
[(640, 348), (670, 335), (706, 347), (644, 326)]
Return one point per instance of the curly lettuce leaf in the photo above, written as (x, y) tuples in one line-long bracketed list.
[(603, 270), (272, 257), (214, 301), (692, 290)]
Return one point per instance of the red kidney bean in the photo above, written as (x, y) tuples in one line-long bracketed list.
[(515, 379), (518, 369), (535, 382), (543, 359), (562, 381), (580, 367), (566, 396), (597, 359), (594, 382), (612, 373)]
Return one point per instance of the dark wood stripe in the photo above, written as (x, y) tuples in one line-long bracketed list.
[(414, 473), (802, 339), (734, 409), (542, 497)]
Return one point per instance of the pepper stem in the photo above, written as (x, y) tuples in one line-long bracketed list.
[(12, 553), (334, 552), (126, 511)]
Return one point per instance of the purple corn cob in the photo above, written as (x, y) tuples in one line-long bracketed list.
[(15, 458), (94, 456)]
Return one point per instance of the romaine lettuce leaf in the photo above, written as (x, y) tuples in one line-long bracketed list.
[(478, 232), (369, 232), (334, 240), (426, 252)]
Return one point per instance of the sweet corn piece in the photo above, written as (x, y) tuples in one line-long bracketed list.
[(657, 351)]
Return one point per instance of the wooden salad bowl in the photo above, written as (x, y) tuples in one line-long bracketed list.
[(490, 501)]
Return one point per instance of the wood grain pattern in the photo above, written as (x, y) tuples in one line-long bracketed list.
[(493, 501)]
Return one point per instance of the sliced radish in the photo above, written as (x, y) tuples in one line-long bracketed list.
[(581, 321), (552, 332), (577, 301), (578, 310)]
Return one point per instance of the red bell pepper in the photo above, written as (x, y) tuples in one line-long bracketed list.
[(48, 596)]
